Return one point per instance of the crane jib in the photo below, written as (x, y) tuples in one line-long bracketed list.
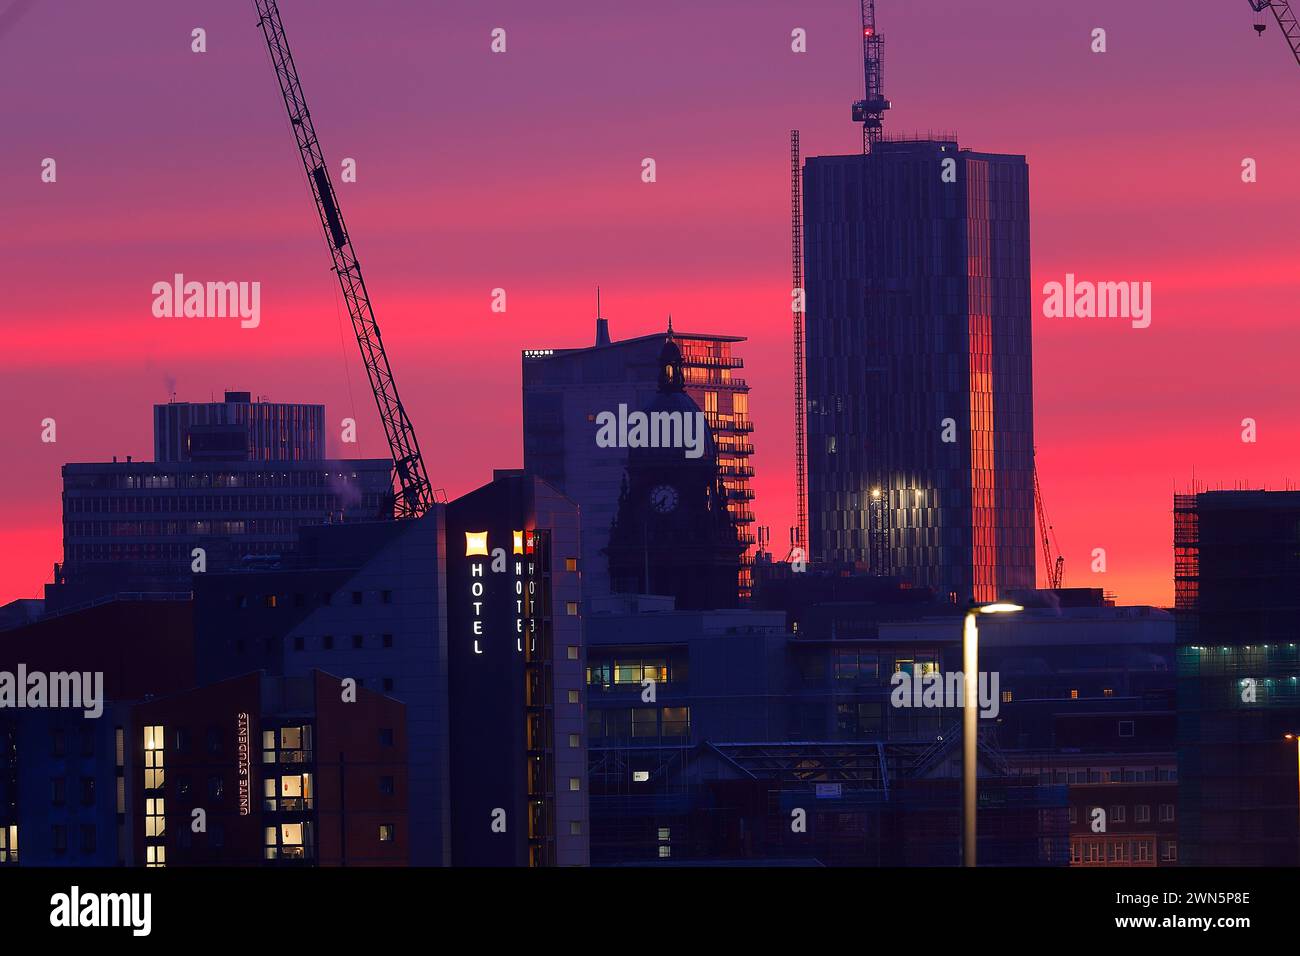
[(326, 193)]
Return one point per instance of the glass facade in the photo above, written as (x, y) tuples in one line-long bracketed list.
[(920, 418)]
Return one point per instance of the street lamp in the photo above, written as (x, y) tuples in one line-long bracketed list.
[(1296, 738), (970, 654)]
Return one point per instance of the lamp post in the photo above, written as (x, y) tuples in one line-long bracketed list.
[(970, 662), (1296, 738)]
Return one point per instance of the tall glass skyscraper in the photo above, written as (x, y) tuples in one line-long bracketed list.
[(919, 378)]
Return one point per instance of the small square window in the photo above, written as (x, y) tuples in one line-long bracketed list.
[(570, 564), (575, 828), (573, 652), (573, 697), (571, 608), (1126, 728), (386, 833), (575, 783), (575, 740), (386, 785)]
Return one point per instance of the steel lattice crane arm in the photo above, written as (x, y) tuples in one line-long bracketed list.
[(1286, 22), (413, 494)]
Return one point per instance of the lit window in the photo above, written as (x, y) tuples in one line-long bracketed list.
[(1074, 695), (575, 828), (573, 652), (386, 833), (571, 608), (575, 783), (574, 740), (573, 697), (570, 564), (1006, 697)]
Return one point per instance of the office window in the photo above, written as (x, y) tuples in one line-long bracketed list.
[(573, 652), (1074, 695), (571, 608), (575, 783), (573, 697), (386, 833), (570, 564)]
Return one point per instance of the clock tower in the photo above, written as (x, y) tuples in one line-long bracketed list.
[(673, 533)]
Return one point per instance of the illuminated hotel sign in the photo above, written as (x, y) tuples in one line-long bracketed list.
[(522, 547), (245, 782)]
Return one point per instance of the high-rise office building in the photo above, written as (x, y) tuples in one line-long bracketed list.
[(920, 416), (564, 390), (236, 479), (1237, 606)]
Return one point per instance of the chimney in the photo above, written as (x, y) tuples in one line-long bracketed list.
[(602, 332)]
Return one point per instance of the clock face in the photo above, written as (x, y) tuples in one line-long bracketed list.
[(663, 498)]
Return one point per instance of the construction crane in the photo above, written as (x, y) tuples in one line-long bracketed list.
[(869, 110), (1286, 22), (1053, 560), (796, 252), (413, 494)]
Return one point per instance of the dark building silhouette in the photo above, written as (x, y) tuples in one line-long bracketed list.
[(673, 534), (490, 679), (564, 390), (920, 416), (1237, 603), (235, 480)]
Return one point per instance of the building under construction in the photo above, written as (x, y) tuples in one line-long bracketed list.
[(919, 385)]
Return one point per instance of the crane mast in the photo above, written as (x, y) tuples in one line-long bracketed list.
[(796, 250), (413, 494), (869, 110), (1286, 22)]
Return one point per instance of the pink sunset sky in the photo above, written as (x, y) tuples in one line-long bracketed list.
[(522, 171)]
